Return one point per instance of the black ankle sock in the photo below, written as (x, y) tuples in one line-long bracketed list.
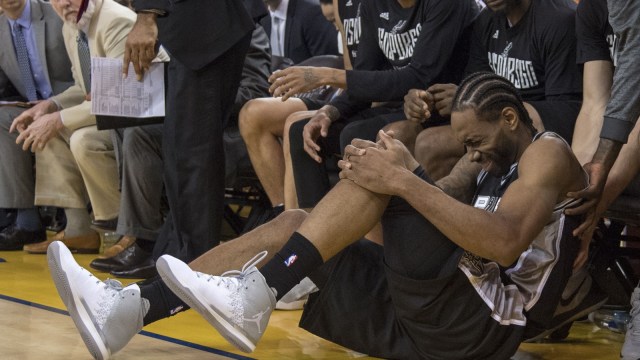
[(162, 301), (297, 259)]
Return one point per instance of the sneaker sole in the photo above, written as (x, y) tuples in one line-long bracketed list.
[(224, 328), (79, 314), (575, 317)]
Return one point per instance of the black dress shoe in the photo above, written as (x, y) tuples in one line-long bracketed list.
[(53, 218), (13, 238), (132, 256), (145, 270), (8, 217), (105, 225)]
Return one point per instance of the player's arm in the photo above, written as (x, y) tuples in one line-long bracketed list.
[(461, 182), (340, 26), (546, 170), (596, 86)]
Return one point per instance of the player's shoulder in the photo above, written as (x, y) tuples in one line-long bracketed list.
[(548, 152)]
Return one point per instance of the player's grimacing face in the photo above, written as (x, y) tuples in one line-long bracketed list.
[(487, 142)]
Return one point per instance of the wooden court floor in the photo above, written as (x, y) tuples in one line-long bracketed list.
[(34, 325)]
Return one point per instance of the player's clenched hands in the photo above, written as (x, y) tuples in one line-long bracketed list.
[(377, 168), (443, 96), (418, 105)]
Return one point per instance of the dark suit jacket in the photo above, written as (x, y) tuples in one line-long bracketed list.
[(196, 32), (307, 33), (47, 27)]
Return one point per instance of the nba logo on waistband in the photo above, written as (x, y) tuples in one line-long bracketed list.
[(176, 310), (290, 260)]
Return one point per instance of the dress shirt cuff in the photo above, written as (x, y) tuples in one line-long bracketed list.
[(62, 118), (53, 100)]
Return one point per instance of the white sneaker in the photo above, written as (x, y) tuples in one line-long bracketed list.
[(106, 315), (238, 303), (298, 296), (631, 347)]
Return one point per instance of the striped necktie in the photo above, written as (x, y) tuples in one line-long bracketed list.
[(85, 60), (24, 63)]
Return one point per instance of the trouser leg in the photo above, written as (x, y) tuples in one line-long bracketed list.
[(199, 102), (95, 156), (58, 179), (17, 181), (142, 186)]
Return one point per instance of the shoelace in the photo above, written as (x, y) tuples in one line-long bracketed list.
[(231, 277), (107, 300), (113, 285)]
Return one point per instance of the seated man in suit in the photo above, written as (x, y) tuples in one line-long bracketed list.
[(73, 158), (34, 66), (298, 30), (451, 264)]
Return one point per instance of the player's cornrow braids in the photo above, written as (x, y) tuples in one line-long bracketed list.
[(488, 93)]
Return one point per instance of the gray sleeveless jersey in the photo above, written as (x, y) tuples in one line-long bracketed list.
[(511, 293)]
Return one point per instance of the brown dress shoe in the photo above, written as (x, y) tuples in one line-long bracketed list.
[(123, 243), (84, 244)]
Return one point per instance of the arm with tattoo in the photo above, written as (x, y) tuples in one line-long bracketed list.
[(298, 79)]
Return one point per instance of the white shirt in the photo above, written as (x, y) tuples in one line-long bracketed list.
[(278, 22)]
